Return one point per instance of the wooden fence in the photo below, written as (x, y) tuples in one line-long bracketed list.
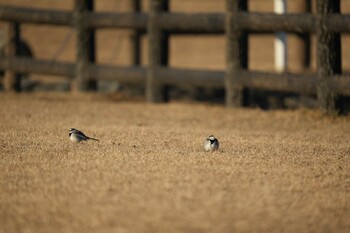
[(159, 24)]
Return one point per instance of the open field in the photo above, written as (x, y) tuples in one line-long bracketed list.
[(278, 171)]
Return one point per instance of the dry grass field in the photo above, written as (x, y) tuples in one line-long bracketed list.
[(278, 171)]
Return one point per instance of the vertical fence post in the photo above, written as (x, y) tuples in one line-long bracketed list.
[(12, 80), (303, 41), (328, 55), (157, 51), (85, 46), (136, 37), (236, 52)]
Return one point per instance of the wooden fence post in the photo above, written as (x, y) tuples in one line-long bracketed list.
[(157, 51), (303, 41), (236, 52), (328, 55), (12, 80), (136, 37), (85, 47)]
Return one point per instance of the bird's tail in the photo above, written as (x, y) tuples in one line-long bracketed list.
[(93, 139)]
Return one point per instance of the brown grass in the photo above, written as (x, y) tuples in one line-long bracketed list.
[(275, 172)]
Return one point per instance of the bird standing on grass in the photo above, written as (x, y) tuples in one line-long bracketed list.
[(78, 136), (211, 144)]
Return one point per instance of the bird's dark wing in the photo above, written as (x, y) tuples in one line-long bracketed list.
[(81, 134)]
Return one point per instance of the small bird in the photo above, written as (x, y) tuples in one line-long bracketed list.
[(211, 143), (78, 136)]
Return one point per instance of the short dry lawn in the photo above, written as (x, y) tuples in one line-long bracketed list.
[(277, 171)]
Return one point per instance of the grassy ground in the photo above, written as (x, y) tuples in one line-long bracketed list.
[(279, 171)]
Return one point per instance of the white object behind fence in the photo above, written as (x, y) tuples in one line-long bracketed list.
[(280, 7)]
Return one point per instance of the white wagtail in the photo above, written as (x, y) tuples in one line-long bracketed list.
[(78, 136), (211, 143)]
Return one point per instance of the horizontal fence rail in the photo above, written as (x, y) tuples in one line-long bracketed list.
[(37, 16), (285, 82), (132, 75), (159, 23), (269, 22), (180, 22), (186, 77), (117, 20), (27, 65)]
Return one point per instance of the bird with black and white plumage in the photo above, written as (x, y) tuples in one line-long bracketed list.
[(211, 144), (78, 136)]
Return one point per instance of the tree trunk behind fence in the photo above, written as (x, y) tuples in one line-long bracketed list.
[(158, 52), (12, 80), (85, 47), (328, 55), (237, 52)]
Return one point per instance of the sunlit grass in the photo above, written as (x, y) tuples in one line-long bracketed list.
[(279, 171)]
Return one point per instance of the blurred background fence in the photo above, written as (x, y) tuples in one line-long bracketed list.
[(159, 24)]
